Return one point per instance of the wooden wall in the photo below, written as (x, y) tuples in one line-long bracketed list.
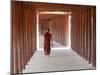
[(59, 28), (83, 33), (23, 35)]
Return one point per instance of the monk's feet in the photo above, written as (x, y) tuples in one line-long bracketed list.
[(48, 55)]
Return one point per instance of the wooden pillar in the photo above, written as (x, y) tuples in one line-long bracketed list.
[(77, 32), (94, 36), (81, 33), (79, 22), (85, 32), (14, 29), (83, 28), (73, 31), (85, 22), (89, 33)]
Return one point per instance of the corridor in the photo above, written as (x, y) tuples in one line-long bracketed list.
[(59, 60), (73, 29)]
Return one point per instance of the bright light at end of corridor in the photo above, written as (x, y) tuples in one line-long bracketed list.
[(47, 12)]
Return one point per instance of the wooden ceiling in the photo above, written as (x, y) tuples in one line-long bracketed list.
[(41, 6), (49, 16), (53, 7)]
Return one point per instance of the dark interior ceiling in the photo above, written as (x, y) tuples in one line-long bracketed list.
[(41, 6), (53, 7)]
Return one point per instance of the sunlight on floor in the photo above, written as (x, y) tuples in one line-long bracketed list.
[(59, 60)]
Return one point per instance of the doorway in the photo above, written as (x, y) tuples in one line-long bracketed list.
[(59, 24)]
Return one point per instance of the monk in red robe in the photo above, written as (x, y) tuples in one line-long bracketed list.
[(47, 42)]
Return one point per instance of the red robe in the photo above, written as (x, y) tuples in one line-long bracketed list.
[(47, 40)]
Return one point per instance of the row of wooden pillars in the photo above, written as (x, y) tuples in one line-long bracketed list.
[(23, 35), (83, 33)]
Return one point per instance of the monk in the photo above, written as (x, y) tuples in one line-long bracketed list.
[(47, 42)]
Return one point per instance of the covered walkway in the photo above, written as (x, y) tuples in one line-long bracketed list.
[(74, 31)]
